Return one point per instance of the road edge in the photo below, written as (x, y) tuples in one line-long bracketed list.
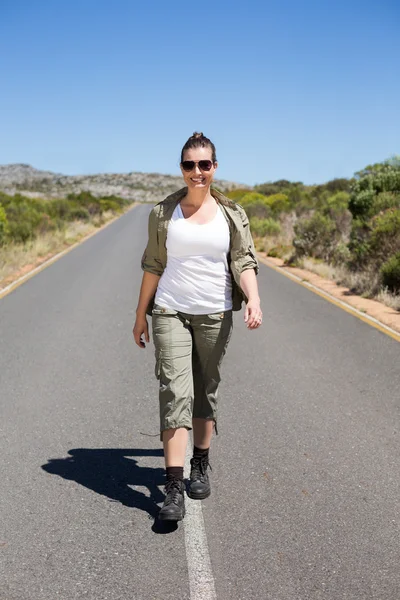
[(15, 284), (327, 296)]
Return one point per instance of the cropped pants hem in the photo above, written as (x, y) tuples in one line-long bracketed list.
[(189, 350)]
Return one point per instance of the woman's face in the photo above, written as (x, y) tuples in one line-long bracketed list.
[(197, 178)]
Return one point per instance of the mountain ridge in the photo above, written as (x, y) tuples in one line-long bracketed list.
[(24, 179)]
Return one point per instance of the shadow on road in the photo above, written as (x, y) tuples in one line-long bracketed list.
[(111, 472)]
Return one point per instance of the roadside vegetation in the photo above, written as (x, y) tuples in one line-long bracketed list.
[(32, 229), (347, 230)]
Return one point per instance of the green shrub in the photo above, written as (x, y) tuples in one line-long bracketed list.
[(23, 219), (46, 224), (79, 213), (374, 181), (237, 194), (256, 205), (359, 244), (252, 197), (385, 235), (278, 203), (385, 200), (94, 208), (341, 254), (279, 251), (390, 272), (112, 205), (263, 227), (315, 237), (21, 231), (60, 208), (361, 202), (258, 209), (277, 187), (4, 228), (336, 204)]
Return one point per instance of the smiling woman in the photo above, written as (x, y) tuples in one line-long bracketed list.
[(199, 265)]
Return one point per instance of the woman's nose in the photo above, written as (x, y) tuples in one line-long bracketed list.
[(197, 170)]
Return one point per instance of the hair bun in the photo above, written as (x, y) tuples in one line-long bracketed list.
[(198, 140)]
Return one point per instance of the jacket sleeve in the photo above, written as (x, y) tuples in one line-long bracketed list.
[(151, 256), (243, 254)]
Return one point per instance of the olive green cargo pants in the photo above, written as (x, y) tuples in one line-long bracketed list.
[(189, 351)]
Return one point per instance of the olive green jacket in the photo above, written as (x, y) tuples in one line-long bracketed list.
[(242, 253)]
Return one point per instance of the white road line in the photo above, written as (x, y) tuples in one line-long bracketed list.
[(201, 580)]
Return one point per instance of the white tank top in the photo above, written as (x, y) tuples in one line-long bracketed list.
[(196, 279)]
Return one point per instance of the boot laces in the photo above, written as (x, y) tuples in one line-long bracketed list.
[(199, 468), (173, 490)]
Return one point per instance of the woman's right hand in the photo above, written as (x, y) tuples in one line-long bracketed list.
[(141, 329)]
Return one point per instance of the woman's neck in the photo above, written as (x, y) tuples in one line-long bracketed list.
[(197, 197)]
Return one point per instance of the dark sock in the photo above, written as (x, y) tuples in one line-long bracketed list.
[(174, 473), (200, 452)]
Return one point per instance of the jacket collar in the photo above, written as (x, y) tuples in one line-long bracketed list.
[(176, 197)]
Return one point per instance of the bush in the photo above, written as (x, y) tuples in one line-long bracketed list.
[(385, 200), (315, 237), (385, 235), (359, 244), (236, 195), (341, 254), (279, 203), (390, 272), (23, 219), (79, 213), (94, 209), (252, 197), (60, 209), (47, 224), (4, 229), (263, 227), (256, 205), (361, 202), (277, 187), (258, 209), (110, 205), (279, 251), (375, 180), (336, 204), (21, 231)]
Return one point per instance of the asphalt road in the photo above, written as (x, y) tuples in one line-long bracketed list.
[(305, 502)]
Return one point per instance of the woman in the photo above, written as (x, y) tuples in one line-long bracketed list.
[(199, 265)]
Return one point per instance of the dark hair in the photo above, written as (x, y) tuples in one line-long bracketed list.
[(198, 140)]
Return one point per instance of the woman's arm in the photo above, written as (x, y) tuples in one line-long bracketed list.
[(252, 313), (147, 291)]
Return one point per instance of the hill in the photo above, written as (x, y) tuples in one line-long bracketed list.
[(141, 187)]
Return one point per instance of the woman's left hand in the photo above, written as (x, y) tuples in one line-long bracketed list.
[(253, 314)]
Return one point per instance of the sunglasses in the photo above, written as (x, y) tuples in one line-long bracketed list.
[(204, 165)]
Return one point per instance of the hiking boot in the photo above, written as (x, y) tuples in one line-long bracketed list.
[(199, 485), (173, 508)]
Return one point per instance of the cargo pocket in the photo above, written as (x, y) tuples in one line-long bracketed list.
[(157, 369)]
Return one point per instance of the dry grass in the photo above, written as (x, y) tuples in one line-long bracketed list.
[(17, 259), (365, 283), (278, 245), (391, 300), (321, 268)]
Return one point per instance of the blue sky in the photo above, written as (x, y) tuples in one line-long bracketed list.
[(305, 91)]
